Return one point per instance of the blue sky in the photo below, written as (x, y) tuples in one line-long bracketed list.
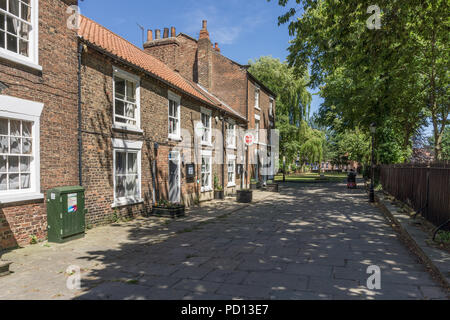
[(244, 29)]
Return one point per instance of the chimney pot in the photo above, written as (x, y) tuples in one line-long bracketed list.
[(173, 32), (205, 22), (166, 33), (149, 35), (157, 34)]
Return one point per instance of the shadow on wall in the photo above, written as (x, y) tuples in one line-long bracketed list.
[(7, 238)]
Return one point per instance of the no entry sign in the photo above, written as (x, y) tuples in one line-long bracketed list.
[(249, 139)]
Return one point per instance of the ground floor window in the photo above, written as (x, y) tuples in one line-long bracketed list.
[(16, 154), (19, 149), (127, 172), (206, 173), (231, 165)]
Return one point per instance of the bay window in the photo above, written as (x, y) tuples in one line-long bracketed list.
[(19, 31)]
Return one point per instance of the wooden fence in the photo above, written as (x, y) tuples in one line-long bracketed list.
[(425, 187)]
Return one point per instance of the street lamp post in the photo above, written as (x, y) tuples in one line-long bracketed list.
[(373, 129)]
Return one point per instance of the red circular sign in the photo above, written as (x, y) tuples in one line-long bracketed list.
[(249, 139)]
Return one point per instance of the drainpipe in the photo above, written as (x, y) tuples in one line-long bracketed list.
[(80, 138), (223, 152)]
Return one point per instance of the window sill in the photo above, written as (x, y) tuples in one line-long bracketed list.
[(231, 148), (258, 108), (207, 189), (24, 62), (126, 128), (207, 144), (20, 197), (126, 202), (175, 138), (231, 185)]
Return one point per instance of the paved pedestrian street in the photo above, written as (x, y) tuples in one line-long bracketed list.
[(310, 241)]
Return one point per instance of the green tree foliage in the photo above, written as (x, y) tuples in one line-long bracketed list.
[(396, 76), (292, 104)]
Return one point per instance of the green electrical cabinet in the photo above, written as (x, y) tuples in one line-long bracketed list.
[(65, 214)]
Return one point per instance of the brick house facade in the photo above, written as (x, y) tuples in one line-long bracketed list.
[(151, 136), (140, 118), (38, 109), (203, 63)]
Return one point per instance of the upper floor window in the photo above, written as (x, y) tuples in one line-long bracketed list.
[(271, 107), (206, 121), (231, 135), (19, 31), (257, 119), (126, 99), (174, 116), (257, 90)]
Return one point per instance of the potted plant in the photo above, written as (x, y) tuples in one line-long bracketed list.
[(254, 184), (167, 208), (218, 190), (244, 196), (271, 186)]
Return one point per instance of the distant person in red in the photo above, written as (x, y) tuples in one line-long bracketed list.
[(351, 179)]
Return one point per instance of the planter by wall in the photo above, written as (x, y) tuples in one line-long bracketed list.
[(219, 195), (244, 196), (255, 185), (177, 211), (272, 187)]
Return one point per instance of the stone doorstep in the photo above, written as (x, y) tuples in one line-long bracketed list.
[(442, 272), (4, 268)]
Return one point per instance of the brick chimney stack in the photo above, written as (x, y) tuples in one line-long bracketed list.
[(166, 33), (165, 48), (149, 35), (204, 34), (204, 58)]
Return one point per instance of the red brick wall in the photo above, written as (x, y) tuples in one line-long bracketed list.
[(97, 87), (229, 82), (56, 87)]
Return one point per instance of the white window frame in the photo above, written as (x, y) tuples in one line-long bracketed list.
[(232, 158), (231, 135), (257, 97), (271, 103), (207, 113), (257, 121), (175, 98), (128, 146), (207, 154), (121, 74), (19, 109), (32, 60)]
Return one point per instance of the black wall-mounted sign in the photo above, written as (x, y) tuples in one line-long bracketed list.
[(190, 172)]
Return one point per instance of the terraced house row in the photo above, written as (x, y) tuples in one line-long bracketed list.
[(83, 106)]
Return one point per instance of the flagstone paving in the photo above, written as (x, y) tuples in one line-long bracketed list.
[(308, 242)]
